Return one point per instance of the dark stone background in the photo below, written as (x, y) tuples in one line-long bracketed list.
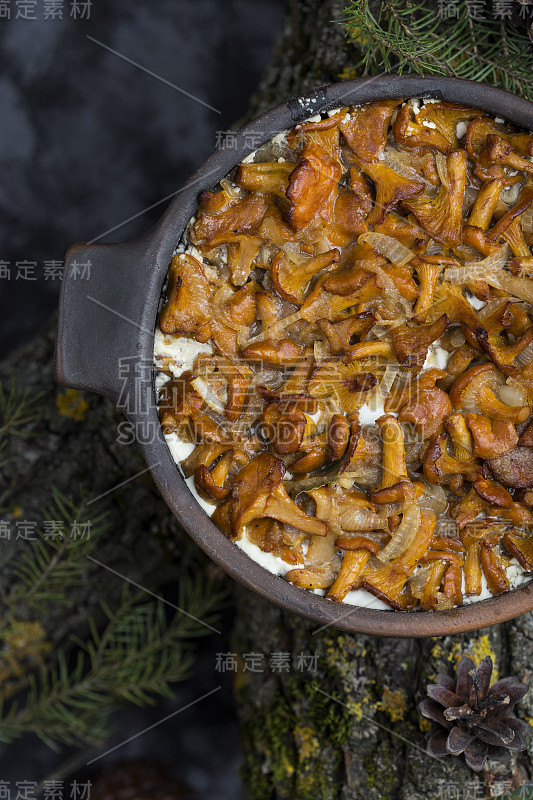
[(86, 142)]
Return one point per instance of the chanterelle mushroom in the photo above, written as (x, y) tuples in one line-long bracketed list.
[(312, 187), (426, 410), (411, 344), (391, 188), (442, 216), (412, 134), (476, 389), (188, 303), (440, 466), (492, 437), (257, 491), (388, 581), (395, 485), (243, 214), (366, 128)]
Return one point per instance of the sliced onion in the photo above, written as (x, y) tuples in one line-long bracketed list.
[(278, 327), (222, 296), (392, 295), (526, 220), (389, 247), (321, 352), (389, 376), (512, 393), (208, 395), (403, 536), (360, 519), (442, 168), (419, 579), (401, 162), (517, 287), (230, 188), (524, 358), (434, 499), (457, 338), (434, 249), (292, 251), (267, 377), (320, 551), (345, 482), (477, 270), (490, 307), (384, 387), (379, 332)]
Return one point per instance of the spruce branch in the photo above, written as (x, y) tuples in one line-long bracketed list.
[(53, 564), (412, 37), (138, 656), (18, 409)]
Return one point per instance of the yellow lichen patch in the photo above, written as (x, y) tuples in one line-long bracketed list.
[(454, 656), (349, 73), (424, 724), (23, 647), (307, 742), (340, 654), (358, 37), (357, 710), (437, 651), (360, 708), (394, 704), (17, 512), (71, 404), (479, 648)]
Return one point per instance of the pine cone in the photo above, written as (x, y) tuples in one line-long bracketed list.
[(138, 780), (474, 718)]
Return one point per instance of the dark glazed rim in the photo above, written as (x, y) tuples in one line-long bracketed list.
[(147, 260)]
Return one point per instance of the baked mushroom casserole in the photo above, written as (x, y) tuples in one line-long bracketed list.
[(345, 355)]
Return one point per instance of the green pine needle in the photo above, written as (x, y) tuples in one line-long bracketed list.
[(51, 567), (137, 657), (412, 37), (18, 409)]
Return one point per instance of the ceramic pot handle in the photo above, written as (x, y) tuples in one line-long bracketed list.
[(104, 317)]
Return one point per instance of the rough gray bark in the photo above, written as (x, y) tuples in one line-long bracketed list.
[(311, 51), (366, 740)]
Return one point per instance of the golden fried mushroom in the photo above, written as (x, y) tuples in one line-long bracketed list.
[(391, 189), (257, 491), (442, 216), (413, 135), (188, 304), (366, 127), (270, 177), (312, 187), (389, 580)]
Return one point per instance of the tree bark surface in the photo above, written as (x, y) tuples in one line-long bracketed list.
[(350, 729)]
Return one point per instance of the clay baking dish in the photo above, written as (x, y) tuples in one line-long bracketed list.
[(105, 344)]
